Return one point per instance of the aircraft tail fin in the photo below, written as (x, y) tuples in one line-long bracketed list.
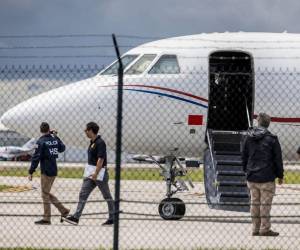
[(30, 144)]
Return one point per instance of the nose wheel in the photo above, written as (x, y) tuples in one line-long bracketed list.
[(171, 209), (172, 171)]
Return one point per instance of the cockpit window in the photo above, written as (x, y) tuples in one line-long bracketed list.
[(113, 69), (141, 64), (166, 64)]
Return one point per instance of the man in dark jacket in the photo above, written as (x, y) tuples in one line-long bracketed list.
[(262, 162), (48, 147)]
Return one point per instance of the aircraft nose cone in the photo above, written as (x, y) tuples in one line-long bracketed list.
[(11, 119), (66, 109), (4, 118), (23, 117)]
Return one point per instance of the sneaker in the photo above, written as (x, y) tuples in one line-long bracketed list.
[(71, 219), (42, 222), (64, 215), (255, 233), (269, 233), (109, 222)]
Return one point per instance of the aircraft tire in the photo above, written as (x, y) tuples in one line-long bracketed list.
[(171, 209)]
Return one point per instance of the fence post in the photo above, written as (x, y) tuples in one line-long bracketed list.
[(118, 146)]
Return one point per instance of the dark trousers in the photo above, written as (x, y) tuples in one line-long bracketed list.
[(87, 187)]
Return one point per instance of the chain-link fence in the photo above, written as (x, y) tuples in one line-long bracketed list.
[(183, 185)]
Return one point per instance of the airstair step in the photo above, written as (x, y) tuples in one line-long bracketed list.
[(232, 189), (226, 137), (232, 183), (235, 194), (232, 199), (231, 172), (226, 146), (243, 207), (229, 159), (220, 152), (221, 178), (229, 162), (221, 167)]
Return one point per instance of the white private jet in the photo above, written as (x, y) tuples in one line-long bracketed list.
[(178, 94), (13, 152)]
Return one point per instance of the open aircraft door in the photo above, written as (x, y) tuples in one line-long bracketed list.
[(230, 114)]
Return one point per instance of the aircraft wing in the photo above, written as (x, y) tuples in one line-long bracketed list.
[(15, 153), (6, 156)]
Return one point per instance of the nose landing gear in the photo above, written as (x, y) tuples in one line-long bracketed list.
[(172, 208)]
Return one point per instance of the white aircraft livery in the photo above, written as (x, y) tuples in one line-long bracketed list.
[(182, 95), (166, 94), (12, 152)]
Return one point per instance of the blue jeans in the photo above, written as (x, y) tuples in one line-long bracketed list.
[(87, 187)]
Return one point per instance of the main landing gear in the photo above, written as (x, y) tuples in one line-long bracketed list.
[(172, 208)]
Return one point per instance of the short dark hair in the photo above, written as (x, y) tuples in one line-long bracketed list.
[(44, 128), (92, 126), (263, 120)]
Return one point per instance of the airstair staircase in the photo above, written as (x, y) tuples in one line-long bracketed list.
[(224, 178)]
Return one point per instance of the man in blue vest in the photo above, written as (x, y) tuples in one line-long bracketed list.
[(48, 147)]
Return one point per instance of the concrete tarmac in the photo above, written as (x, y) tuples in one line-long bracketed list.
[(140, 225)]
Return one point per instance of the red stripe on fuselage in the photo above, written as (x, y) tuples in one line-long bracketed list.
[(162, 88), (172, 90), (283, 119), (273, 119)]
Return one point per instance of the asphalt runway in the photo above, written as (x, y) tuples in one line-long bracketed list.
[(140, 225)]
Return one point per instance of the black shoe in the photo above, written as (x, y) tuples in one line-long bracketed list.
[(109, 222), (269, 233), (71, 219), (42, 222), (64, 216), (255, 233)]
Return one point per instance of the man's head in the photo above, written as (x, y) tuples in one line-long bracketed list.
[(263, 120), (44, 128), (91, 129)]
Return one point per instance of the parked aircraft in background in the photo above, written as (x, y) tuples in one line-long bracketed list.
[(18, 153), (186, 97)]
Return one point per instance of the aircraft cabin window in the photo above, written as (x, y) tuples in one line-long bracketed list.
[(140, 65), (113, 69), (167, 64)]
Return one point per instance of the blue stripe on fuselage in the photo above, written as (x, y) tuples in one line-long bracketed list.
[(167, 95)]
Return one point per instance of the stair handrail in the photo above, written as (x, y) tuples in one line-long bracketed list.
[(247, 111), (210, 148)]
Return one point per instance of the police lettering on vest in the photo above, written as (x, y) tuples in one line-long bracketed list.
[(48, 148)]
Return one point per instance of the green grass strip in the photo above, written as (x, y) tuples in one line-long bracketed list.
[(4, 187), (126, 174), (147, 174)]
